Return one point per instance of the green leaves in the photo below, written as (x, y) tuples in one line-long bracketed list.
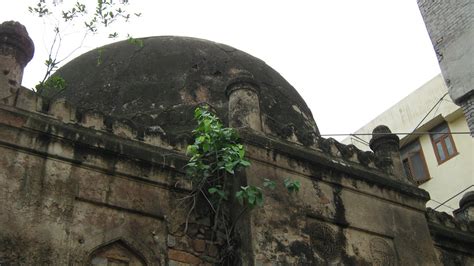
[(52, 86), (100, 52), (216, 150), (40, 10), (251, 195), (269, 184), (133, 41), (218, 191), (215, 156), (77, 10), (292, 185)]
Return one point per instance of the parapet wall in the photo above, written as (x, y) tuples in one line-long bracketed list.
[(64, 112), (453, 239)]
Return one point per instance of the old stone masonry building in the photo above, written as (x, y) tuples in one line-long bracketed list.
[(93, 174)]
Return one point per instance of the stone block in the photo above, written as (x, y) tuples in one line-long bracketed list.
[(171, 241), (124, 129), (212, 250), (329, 146), (182, 256), (63, 110), (28, 100), (136, 196), (92, 186), (93, 119), (12, 119), (156, 136), (177, 263), (199, 245)]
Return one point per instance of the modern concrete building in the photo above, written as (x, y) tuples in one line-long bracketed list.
[(440, 163), (450, 25)]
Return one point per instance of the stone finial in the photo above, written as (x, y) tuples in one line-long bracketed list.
[(16, 50), (466, 208), (244, 103), (386, 147), (382, 136)]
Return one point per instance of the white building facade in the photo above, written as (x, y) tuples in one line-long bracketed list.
[(436, 147)]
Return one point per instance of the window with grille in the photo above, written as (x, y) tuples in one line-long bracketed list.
[(414, 162), (443, 143)]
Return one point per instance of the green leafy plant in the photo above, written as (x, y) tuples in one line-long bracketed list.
[(40, 9), (292, 185), (218, 191), (100, 51), (133, 41), (51, 86), (251, 195), (216, 150), (269, 183), (215, 156)]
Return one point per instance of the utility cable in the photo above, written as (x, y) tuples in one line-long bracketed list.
[(442, 204), (411, 133), (434, 106), (397, 133), (453, 197)]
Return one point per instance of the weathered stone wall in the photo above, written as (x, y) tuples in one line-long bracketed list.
[(345, 213), (79, 188), (76, 189), (453, 239)]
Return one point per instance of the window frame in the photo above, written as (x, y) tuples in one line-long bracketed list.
[(441, 140), (404, 157)]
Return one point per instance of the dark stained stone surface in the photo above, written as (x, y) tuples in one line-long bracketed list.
[(467, 198), (14, 35), (161, 82)]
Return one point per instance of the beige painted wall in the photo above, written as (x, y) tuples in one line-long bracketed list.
[(452, 176), (404, 116), (455, 174)]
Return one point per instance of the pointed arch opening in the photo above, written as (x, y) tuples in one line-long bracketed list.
[(116, 253)]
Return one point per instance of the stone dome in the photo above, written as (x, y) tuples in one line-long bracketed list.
[(160, 82)]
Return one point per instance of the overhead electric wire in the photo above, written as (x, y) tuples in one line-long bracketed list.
[(396, 133), (402, 133), (354, 136), (443, 204), (452, 197), (434, 106)]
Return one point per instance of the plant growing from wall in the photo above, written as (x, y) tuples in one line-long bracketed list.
[(216, 155)]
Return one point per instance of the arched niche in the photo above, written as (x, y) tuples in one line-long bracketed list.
[(117, 253)]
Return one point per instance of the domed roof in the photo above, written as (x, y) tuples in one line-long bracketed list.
[(160, 82)]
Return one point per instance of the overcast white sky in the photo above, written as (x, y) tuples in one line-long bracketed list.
[(350, 60)]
